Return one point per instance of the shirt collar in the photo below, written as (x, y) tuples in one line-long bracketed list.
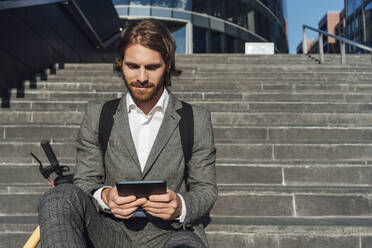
[(161, 104)]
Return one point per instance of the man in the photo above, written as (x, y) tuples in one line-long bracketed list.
[(144, 144)]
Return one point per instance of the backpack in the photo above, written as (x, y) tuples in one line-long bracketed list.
[(186, 124)]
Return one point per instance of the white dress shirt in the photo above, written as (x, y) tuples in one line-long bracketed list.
[(144, 129)]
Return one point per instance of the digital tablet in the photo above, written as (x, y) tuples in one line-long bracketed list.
[(141, 188)]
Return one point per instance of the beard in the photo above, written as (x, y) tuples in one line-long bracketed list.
[(145, 92)]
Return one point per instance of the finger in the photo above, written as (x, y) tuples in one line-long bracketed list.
[(161, 198), (158, 210), (151, 204), (120, 200), (124, 213), (136, 203)]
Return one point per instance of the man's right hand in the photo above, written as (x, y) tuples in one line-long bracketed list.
[(122, 207)]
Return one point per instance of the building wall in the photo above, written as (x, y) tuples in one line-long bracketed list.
[(331, 23), (214, 26), (358, 22)]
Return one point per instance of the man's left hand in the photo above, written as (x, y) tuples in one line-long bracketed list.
[(166, 206)]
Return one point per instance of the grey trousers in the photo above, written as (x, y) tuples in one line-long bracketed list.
[(68, 218)]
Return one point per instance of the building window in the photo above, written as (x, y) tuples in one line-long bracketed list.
[(140, 2), (356, 23), (229, 10), (217, 42), (121, 2), (162, 3), (230, 44), (217, 8), (200, 6), (199, 40), (179, 35), (182, 4), (353, 5), (369, 6)]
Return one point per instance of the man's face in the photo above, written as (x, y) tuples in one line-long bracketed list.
[(143, 71)]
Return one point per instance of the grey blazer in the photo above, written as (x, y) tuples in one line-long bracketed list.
[(165, 161)]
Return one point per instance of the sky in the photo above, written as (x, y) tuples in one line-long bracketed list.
[(307, 12)]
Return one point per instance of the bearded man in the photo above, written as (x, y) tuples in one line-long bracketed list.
[(144, 144)]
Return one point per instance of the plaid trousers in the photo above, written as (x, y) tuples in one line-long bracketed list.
[(68, 218)]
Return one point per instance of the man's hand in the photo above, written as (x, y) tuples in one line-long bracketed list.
[(166, 206), (122, 207)]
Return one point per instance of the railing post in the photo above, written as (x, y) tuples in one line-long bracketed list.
[(343, 52), (321, 49), (304, 42)]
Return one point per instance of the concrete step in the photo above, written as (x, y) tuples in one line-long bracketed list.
[(211, 87), (227, 77), (291, 119), (179, 85), (73, 118), (194, 68), (222, 74), (269, 135), (275, 201), (66, 118), (234, 150), (214, 100), (251, 232), (340, 173), (283, 233)]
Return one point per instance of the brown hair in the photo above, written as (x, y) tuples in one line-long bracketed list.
[(152, 34)]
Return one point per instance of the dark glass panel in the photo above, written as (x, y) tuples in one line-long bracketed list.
[(162, 3), (352, 5), (200, 6), (369, 23), (139, 2), (369, 6), (199, 40), (179, 35), (230, 44), (237, 12), (240, 46), (241, 14), (230, 7), (216, 8), (216, 44), (123, 2), (182, 4), (276, 6)]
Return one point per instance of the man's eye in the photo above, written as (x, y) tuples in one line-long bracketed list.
[(131, 66), (152, 67)]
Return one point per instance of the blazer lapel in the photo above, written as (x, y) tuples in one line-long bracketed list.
[(121, 122), (167, 128)]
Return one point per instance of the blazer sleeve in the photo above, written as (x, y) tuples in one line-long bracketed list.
[(201, 170), (90, 170)]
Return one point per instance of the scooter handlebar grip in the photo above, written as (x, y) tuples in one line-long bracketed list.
[(49, 152)]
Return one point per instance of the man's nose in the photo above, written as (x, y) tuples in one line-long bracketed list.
[(143, 75)]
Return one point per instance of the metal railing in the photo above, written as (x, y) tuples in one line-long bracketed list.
[(343, 41)]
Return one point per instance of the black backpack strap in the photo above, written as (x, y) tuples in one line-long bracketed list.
[(186, 127), (106, 120)]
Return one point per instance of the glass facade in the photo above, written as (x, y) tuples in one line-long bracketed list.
[(215, 26), (359, 23)]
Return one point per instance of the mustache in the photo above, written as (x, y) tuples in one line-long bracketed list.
[(141, 84)]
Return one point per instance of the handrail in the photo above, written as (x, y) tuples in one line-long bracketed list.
[(342, 40), (29, 3)]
